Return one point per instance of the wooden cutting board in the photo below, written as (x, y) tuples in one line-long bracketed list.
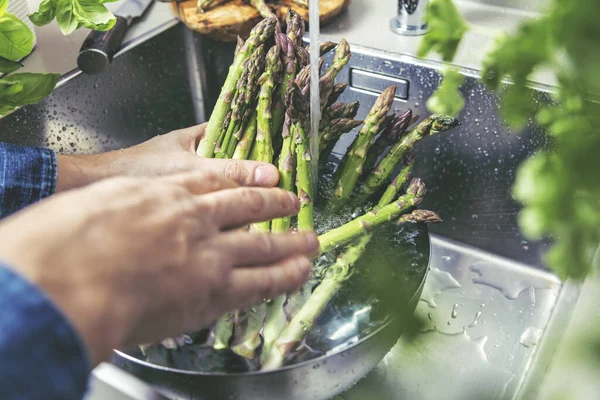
[(225, 22)]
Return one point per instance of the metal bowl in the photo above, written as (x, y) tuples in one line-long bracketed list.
[(344, 361)]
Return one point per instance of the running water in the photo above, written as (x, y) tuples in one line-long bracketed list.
[(315, 109)]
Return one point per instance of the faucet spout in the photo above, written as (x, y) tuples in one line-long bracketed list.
[(411, 19)]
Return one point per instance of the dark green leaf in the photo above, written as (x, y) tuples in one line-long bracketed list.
[(7, 66), (447, 99), (16, 40), (65, 16), (93, 15), (446, 29), (34, 88), (45, 13)]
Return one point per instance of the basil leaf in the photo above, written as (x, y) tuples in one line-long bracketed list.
[(45, 13), (16, 40), (446, 29), (93, 15), (3, 5), (8, 65), (33, 88), (65, 17), (447, 99)]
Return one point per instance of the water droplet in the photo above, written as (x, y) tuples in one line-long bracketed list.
[(454, 311), (531, 336), (474, 216)]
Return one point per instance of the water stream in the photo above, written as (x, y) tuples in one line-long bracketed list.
[(315, 109)]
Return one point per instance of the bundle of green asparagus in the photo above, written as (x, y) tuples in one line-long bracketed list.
[(262, 114)]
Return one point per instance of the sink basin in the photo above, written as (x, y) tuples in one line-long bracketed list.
[(488, 286)]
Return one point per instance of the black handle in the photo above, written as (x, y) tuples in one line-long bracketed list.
[(99, 47)]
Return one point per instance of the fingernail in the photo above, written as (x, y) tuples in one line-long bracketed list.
[(265, 175)]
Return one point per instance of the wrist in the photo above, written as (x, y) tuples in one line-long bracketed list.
[(75, 171)]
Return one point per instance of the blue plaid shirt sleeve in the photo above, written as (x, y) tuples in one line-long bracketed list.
[(41, 355), (27, 175)]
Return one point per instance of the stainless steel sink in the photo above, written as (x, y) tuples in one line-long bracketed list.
[(488, 292)]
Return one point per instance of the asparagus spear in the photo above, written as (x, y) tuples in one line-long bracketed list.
[(337, 91), (295, 27), (391, 133), (392, 190), (263, 147), (238, 46), (354, 159), (340, 59), (241, 106), (426, 216), (342, 110), (263, 8), (286, 163), (334, 278), (429, 126), (259, 34), (204, 5), (363, 224), (250, 338), (324, 48), (289, 66), (332, 131), (304, 179), (304, 319), (242, 150), (302, 57), (223, 331)]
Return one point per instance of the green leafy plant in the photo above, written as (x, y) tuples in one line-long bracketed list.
[(559, 189), (73, 14)]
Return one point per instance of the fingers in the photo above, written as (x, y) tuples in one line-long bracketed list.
[(189, 138), (252, 285), (245, 249), (246, 173), (200, 183), (241, 206)]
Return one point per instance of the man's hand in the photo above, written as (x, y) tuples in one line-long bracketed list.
[(159, 156), (136, 260)]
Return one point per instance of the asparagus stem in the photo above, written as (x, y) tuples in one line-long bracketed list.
[(288, 59), (391, 133), (242, 103), (346, 233), (403, 176), (242, 150), (223, 331), (259, 34), (432, 125), (354, 159), (264, 10), (304, 320), (286, 173), (274, 323), (250, 339), (304, 182)]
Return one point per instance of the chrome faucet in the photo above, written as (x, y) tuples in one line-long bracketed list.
[(410, 20)]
